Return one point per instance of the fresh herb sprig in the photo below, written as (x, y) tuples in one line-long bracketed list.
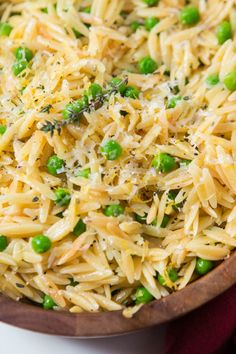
[(92, 105), (46, 109)]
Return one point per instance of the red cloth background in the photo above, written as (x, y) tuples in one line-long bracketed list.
[(207, 330)]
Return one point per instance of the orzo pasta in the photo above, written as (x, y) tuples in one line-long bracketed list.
[(117, 149)]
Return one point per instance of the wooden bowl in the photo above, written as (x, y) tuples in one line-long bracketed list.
[(113, 323)]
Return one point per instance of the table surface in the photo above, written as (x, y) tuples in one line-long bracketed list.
[(20, 341)]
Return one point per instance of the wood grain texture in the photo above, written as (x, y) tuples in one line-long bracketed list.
[(113, 323)]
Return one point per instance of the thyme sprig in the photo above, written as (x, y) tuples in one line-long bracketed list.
[(92, 105), (46, 109)]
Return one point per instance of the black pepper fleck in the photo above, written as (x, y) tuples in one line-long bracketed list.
[(35, 199)]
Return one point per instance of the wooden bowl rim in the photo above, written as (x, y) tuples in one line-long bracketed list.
[(113, 323)]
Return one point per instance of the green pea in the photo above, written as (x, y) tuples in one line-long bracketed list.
[(70, 110), (203, 266), (55, 164), (87, 10), (63, 197), (74, 108), (147, 65), (165, 221), (151, 2), (140, 218), (135, 25), (5, 29), (184, 163), (131, 92), (77, 33), (24, 53), (189, 15), (230, 81), (150, 22), (164, 162), (172, 194), (113, 210), (143, 296), (212, 80), (224, 32), (111, 149), (154, 222), (172, 102), (41, 243), (117, 82), (161, 279), (44, 10), (84, 100), (173, 275), (19, 66), (48, 302), (3, 129), (83, 173), (3, 243), (94, 90), (79, 228)]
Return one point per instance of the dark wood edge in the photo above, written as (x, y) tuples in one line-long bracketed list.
[(113, 323)]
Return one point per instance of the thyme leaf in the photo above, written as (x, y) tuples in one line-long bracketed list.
[(93, 105), (46, 109)]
